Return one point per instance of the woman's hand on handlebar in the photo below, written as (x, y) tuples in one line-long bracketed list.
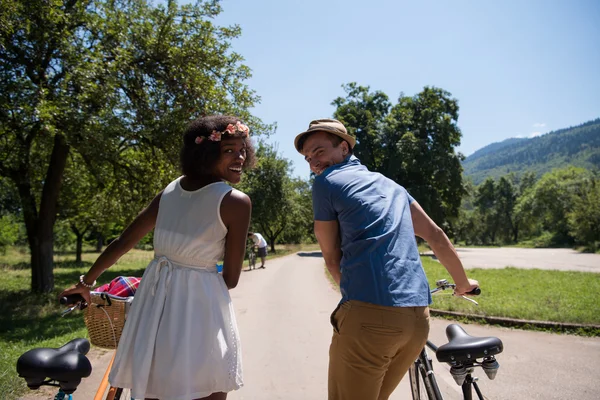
[(77, 289), (465, 290)]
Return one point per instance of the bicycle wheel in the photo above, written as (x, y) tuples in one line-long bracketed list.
[(423, 385)]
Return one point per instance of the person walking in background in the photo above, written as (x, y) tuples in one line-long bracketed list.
[(181, 339), (366, 224), (261, 244)]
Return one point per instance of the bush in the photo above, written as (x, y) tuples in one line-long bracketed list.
[(11, 231)]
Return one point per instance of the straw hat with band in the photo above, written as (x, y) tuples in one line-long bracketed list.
[(332, 126)]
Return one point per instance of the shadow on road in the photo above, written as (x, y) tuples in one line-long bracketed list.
[(310, 254)]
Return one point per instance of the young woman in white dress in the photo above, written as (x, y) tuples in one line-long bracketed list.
[(180, 341)]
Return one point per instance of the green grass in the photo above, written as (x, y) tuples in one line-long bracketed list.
[(28, 320), (529, 294)]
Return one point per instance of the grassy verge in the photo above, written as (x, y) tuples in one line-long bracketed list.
[(28, 321), (529, 294)]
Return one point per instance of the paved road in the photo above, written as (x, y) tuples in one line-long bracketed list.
[(558, 259), (283, 315)]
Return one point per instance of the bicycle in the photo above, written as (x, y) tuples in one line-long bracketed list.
[(251, 258), (461, 352), (66, 366)]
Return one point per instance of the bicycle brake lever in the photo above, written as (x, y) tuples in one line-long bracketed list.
[(470, 299), (68, 310)]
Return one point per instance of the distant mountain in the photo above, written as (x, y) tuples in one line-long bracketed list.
[(578, 146)]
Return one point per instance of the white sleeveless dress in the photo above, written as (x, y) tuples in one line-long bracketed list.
[(180, 341)]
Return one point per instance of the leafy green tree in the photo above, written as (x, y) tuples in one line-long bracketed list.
[(505, 204), (363, 113), (412, 142), (111, 81), (551, 200), (300, 227), (485, 202), (270, 188), (420, 140), (584, 215)]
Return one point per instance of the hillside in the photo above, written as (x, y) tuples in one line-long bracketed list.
[(578, 146)]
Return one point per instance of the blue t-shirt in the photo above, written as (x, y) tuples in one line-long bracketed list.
[(380, 260)]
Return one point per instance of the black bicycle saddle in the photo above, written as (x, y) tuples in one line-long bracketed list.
[(462, 347), (66, 365)]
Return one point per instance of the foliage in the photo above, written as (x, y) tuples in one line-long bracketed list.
[(412, 142), (112, 83), (280, 205), (578, 146), (10, 231), (363, 113), (561, 209), (584, 215)]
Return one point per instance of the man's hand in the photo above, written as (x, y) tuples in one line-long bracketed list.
[(465, 289)]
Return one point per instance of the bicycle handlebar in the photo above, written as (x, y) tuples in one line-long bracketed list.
[(443, 284), (71, 299)]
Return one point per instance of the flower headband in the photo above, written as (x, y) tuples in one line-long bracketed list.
[(240, 129)]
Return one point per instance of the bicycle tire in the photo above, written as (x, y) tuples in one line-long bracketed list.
[(423, 384)]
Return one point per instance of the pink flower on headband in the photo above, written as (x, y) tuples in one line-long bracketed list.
[(242, 128), (215, 136), (199, 139), (230, 129)]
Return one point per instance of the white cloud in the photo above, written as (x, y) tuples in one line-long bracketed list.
[(534, 134), (539, 125)]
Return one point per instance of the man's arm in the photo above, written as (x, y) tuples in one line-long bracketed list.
[(442, 247), (328, 236)]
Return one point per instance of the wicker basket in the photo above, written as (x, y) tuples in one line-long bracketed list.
[(105, 319)]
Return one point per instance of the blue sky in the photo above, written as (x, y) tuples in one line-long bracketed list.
[(518, 68)]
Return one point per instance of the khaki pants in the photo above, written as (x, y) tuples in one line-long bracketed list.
[(372, 348)]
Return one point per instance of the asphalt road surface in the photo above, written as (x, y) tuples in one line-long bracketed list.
[(283, 316), (557, 259)]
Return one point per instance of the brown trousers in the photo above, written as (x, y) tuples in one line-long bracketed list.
[(372, 348)]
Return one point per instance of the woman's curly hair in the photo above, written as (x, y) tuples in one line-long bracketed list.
[(198, 160)]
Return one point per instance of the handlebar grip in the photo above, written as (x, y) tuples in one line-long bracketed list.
[(475, 292), (71, 299)]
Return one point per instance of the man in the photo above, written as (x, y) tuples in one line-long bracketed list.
[(261, 244), (366, 224)]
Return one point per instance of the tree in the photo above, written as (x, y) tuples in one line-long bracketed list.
[(420, 139), (485, 202), (505, 204), (271, 190), (363, 114), (584, 216), (551, 200), (105, 79), (413, 143), (300, 226)]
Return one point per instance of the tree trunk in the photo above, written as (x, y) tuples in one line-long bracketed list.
[(272, 245), (79, 234), (39, 226), (99, 242)]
